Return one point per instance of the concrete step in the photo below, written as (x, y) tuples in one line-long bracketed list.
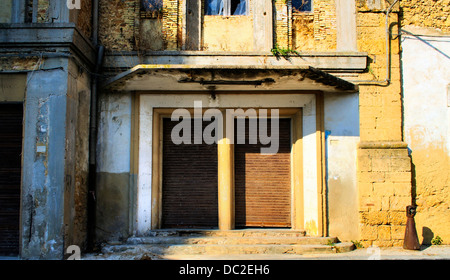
[(219, 240), (164, 243), (228, 233), (216, 249)]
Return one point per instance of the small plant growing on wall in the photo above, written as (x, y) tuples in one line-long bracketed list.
[(279, 51), (357, 244), (437, 240)]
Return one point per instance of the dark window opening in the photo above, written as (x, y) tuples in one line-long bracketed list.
[(226, 7), (302, 5), (152, 5), (151, 8), (214, 7), (238, 7)]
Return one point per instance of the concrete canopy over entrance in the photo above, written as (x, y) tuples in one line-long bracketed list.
[(154, 77)]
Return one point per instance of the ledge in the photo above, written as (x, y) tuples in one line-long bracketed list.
[(185, 77), (328, 61), (382, 145), (46, 35)]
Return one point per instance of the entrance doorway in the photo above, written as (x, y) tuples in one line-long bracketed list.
[(11, 117), (189, 182), (263, 182)]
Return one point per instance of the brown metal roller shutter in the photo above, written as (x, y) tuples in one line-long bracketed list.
[(10, 171), (263, 182), (189, 187)]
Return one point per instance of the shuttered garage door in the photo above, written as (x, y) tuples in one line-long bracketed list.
[(263, 182), (189, 187), (10, 170)]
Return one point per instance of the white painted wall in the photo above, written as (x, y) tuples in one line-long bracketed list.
[(426, 78), (114, 134), (342, 129)]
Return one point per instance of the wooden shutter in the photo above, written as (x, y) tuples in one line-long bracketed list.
[(11, 116), (189, 187), (263, 182)]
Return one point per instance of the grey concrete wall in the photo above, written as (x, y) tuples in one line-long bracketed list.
[(54, 160), (6, 11), (113, 188), (43, 164)]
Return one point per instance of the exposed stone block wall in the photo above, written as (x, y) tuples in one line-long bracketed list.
[(384, 183), (384, 166), (170, 24), (117, 24), (315, 31), (380, 105), (43, 11), (84, 18), (282, 24), (426, 13)]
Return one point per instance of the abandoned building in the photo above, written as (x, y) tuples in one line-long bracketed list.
[(88, 88)]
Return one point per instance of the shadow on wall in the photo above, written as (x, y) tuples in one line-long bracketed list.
[(427, 235)]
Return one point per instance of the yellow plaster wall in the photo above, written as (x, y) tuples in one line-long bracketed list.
[(234, 33), (426, 120)]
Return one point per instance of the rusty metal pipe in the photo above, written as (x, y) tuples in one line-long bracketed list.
[(411, 241)]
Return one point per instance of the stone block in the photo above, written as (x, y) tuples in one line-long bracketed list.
[(402, 189), (399, 203), (364, 163), (400, 165), (398, 232), (383, 243), (384, 232), (383, 189), (397, 218), (385, 204), (368, 232), (365, 189), (398, 177), (369, 203), (371, 177), (375, 217), (380, 164)]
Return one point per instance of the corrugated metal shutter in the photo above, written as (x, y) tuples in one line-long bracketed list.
[(189, 187), (263, 182), (11, 116)]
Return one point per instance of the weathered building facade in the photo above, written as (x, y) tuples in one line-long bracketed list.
[(96, 85)]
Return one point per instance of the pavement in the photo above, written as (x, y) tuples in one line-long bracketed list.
[(441, 252)]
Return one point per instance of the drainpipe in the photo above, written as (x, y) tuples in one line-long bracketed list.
[(91, 211), (387, 80)]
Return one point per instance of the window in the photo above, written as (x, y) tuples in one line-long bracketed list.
[(226, 7), (151, 8), (302, 5), (152, 5)]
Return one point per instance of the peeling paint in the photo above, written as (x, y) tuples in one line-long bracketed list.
[(427, 127)]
